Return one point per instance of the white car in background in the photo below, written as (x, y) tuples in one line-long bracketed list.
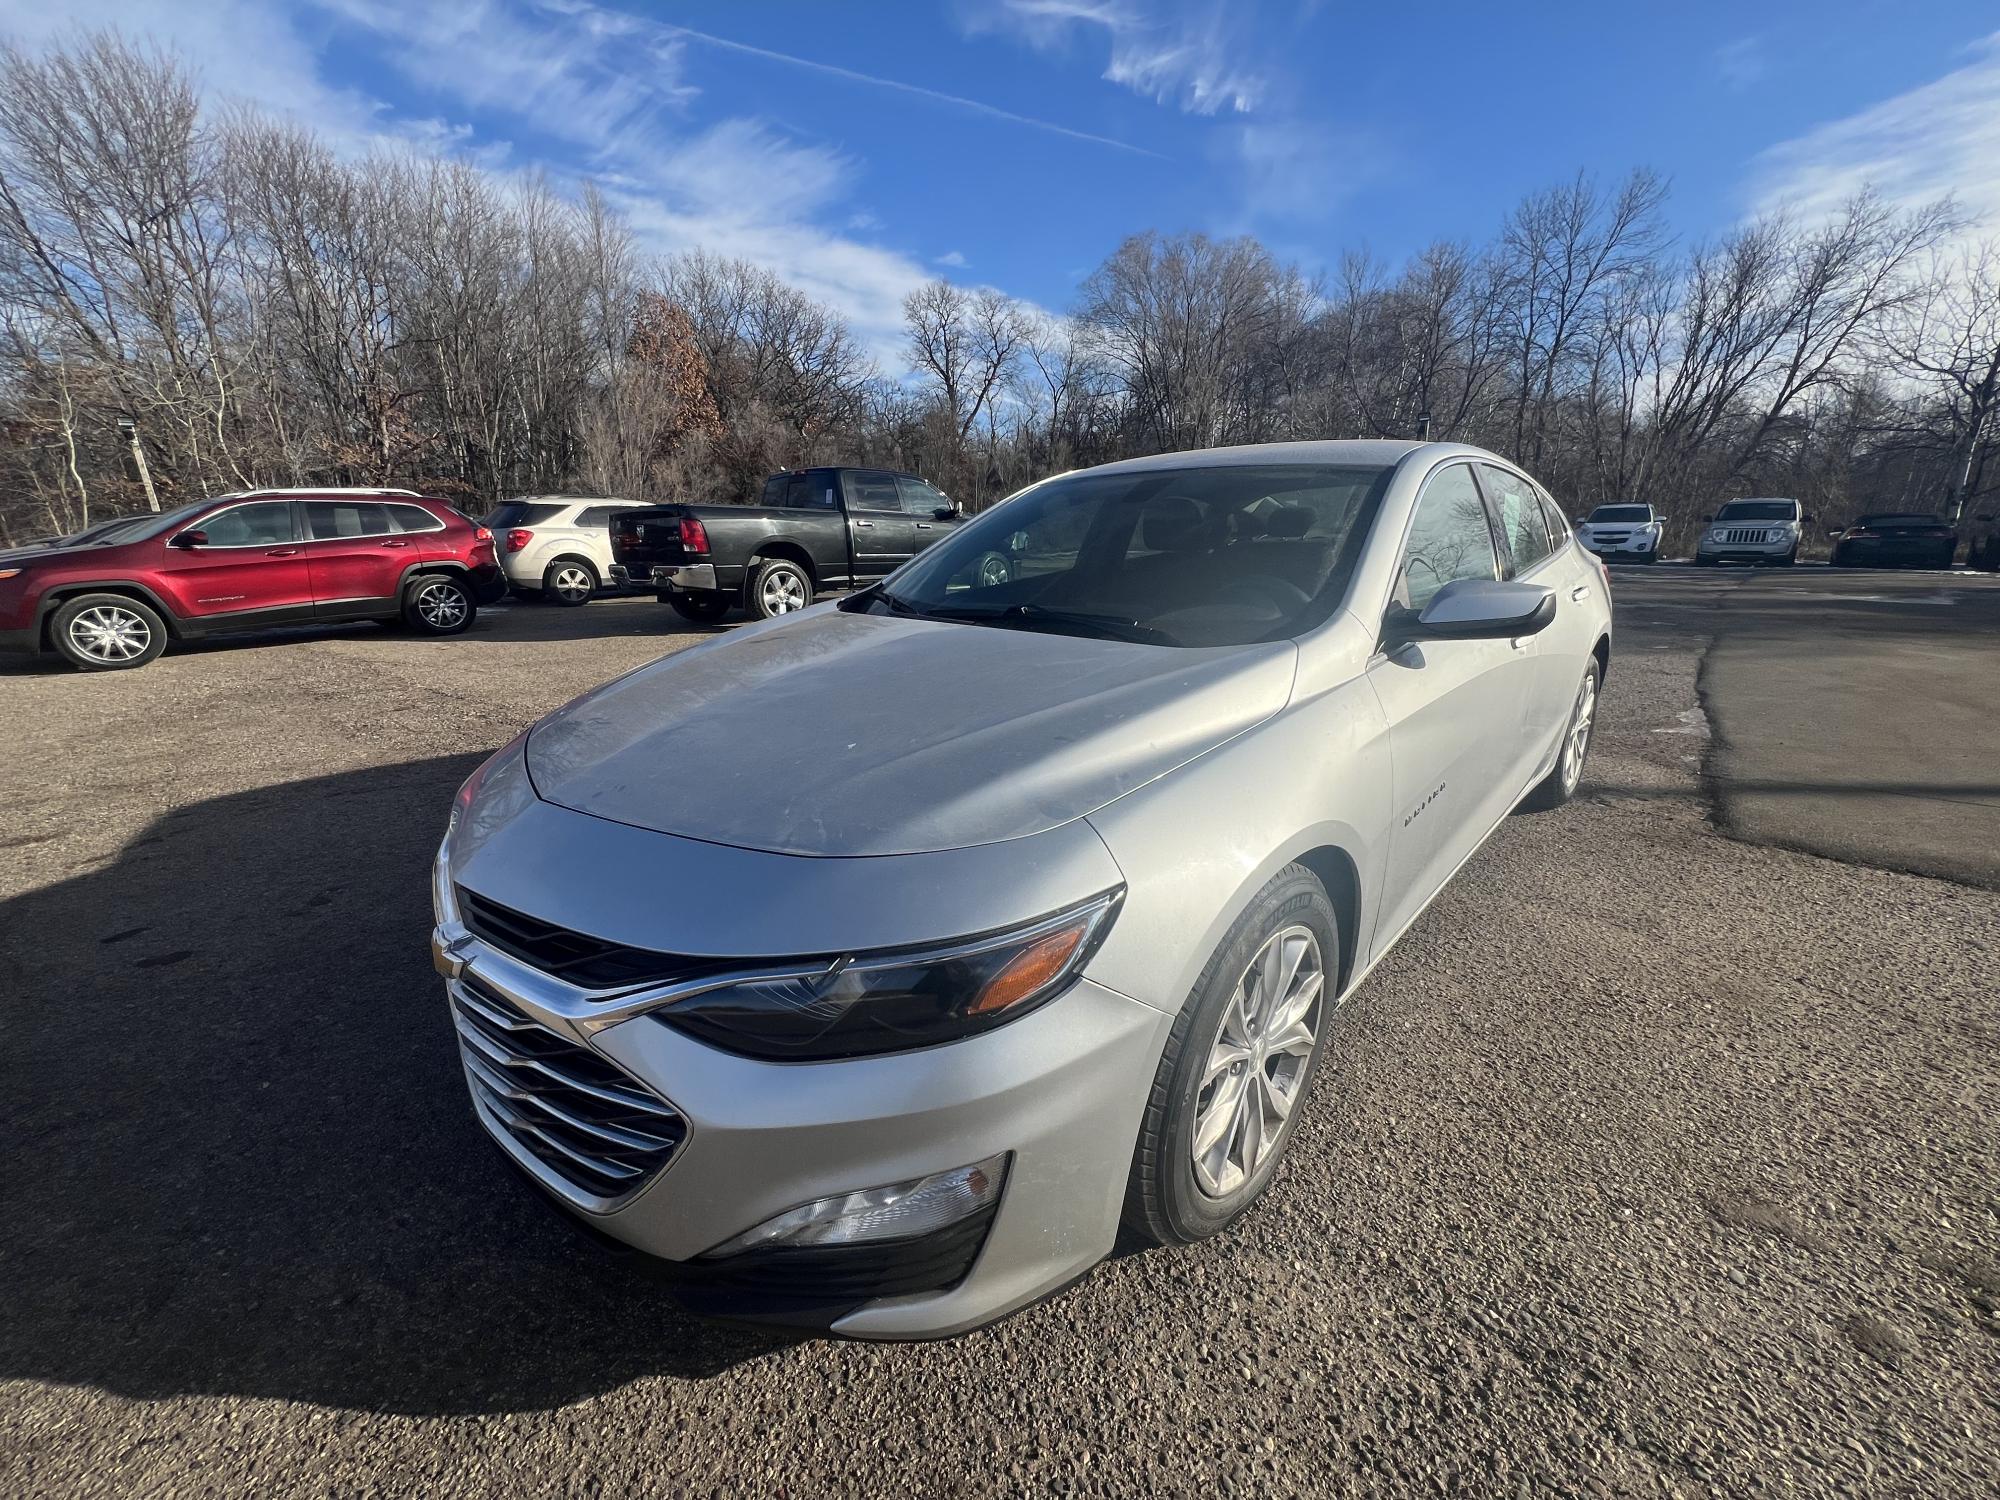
[(1622, 533), (556, 546)]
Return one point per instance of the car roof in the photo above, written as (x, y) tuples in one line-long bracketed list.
[(1382, 451)]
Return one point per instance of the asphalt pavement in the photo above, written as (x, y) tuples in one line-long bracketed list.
[(1655, 1161)]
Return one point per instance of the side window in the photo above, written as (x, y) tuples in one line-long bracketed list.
[(327, 520), (1559, 527), (776, 495), (812, 491), (595, 517), (869, 490), (1521, 521), (919, 499), (415, 518), (1449, 538), (263, 525)]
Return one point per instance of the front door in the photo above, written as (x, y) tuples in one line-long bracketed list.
[(879, 527), (248, 562), (1456, 709), (932, 515)]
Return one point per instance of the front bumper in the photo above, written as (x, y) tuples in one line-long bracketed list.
[(28, 640), (1060, 1092), (1633, 549), (1772, 551)]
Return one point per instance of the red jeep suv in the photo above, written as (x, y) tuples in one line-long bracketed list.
[(111, 597)]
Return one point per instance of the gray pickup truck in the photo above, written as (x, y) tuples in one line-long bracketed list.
[(813, 529)]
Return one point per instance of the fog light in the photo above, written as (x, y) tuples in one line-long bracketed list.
[(902, 1211)]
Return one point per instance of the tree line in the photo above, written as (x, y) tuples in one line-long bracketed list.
[(229, 299)]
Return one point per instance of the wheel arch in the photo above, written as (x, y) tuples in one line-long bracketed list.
[(1602, 651), (583, 559), (1334, 868), (790, 552), (60, 594)]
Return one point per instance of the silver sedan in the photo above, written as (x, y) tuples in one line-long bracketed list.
[(870, 965)]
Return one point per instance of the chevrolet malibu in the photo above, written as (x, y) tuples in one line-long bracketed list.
[(868, 966)]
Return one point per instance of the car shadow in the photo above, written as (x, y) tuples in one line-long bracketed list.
[(242, 1160)]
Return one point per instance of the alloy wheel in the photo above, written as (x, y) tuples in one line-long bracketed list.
[(1576, 744), (1259, 1060), (107, 633), (782, 591), (442, 605), (572, 583), (993, 571)]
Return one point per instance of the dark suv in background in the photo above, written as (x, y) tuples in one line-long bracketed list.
[(112, 596), (813, 529)]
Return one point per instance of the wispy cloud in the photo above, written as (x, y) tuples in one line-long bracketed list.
[(953, 258), (1940, 139), (1741, 63), (1189, 53)]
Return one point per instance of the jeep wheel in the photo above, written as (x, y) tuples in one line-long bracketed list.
[(107, 633), (439, 604)]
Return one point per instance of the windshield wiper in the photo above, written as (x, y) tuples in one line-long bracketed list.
[(1112, 627), (875, 593)]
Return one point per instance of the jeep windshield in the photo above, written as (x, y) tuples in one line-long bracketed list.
[(1759, 510), (1205, 556)]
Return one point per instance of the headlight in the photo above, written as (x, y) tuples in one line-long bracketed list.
[(872, 1003)]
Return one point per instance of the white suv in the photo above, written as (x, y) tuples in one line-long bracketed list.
[(557, 546)]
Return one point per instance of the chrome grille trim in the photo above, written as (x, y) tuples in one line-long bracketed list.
[(1756, 535), (585, 1128)]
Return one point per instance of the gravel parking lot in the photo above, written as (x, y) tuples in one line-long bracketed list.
[(1654, 1161)]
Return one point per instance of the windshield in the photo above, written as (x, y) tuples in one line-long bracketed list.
[(1215, 556), (1898, 518), (1626, 513), (521, 513), (1759, 510)]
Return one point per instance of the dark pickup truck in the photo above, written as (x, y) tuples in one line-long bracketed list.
[(814, 529)]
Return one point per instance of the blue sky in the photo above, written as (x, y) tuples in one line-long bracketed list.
[(858, 148)]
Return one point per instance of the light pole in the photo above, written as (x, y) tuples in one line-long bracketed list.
[(131, 430)]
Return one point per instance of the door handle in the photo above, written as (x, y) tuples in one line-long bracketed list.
[(1581, 591), (864, 525), (924, 526), (283, 552), (395, 544)]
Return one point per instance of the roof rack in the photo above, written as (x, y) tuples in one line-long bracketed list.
[(319, 489)]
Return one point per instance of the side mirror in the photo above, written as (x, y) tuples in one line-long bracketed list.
[(1810, 518), (1018, 543), (1708, 518), (195, 537), (1474, 609), (945, 513)]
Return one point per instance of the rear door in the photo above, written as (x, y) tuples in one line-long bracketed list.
[(1455, 709), (251, 561), (357, 553), (882, 535)]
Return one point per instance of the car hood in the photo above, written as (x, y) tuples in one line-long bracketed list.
[(832, 733)]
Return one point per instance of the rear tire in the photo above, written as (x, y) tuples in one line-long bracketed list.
[(1567, 774), (570, 582), (1240, 1110), (778, 586), (439, 604), (702, 609), (107, 632)]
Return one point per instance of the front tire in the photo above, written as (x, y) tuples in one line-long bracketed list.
[(702, 609), (570, 582), (439, 604), (1238, 1066), (778, 587), (107, 633), (1567, 774)]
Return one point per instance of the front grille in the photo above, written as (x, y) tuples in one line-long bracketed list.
[(590, 1123), (1753, 536), (576, 957)]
